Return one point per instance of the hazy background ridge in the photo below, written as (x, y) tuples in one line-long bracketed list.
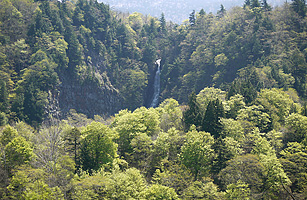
[(175, 10)]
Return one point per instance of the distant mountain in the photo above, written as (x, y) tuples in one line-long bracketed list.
[(175, 10)]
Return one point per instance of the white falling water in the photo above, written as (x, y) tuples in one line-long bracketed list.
[(156, 94)]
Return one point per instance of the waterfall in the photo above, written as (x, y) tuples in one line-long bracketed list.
[(155, 99)]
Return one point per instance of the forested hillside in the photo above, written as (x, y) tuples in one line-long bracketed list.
[(76, 81)]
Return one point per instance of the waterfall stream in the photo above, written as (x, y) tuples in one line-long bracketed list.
[(155, 99)]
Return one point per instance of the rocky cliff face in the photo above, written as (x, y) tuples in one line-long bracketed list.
[(89, 98)]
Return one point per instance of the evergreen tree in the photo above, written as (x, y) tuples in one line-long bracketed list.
[(193, 115), (299, 6), (223, 155), (222, 11), (211, 120), (202, 12), (265, 5), (247, 3), (304, 109), (73, 51), (152, 28), (255, 3), (4, 97), (162, 28), (72, 143), (245, 88), (192, 18)]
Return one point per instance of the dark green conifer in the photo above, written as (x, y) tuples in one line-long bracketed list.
[(72, 144), (4, 97), (222, 11), (202, 12), (211, 121), (193, 114), (192, 18), (299, 6), (162, 27)]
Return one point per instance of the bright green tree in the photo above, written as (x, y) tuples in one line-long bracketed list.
[(156, 191), (7, 135), (142, 152), (166, 148), (256, 116), (127, 184), (203, 189), (29, 183), (197, 153), (98, 147), (129, 124), (170, 115), (238, 190), (18, 152)]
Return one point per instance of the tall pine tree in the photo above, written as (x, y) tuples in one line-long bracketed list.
[(193, 115), (211, 121)]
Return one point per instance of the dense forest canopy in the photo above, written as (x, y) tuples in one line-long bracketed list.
[(76, 80)]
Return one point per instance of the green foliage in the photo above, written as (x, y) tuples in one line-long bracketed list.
[(18, 152), (173, 175), (72, 144), (166, 148), (233, 105), (49, 50), (3, 97), (128, 125), (141, 154), (232, 128), (196, 152), (256, 116), (274, 175), (3, 119), (40, 190), (210, 94), (127, 184), (132, 85), (293, 159), (160, 192), (244, 88), (246, 168), (225, 149), (238, 190), (277, 103), (296, 125), (170, 115), (275, 138), (7, 135), (193, 115), (203, 189), (29, 184), (98, 147), (212, 118), (299, 6)]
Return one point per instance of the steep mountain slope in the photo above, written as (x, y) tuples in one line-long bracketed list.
[(98, 61)]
